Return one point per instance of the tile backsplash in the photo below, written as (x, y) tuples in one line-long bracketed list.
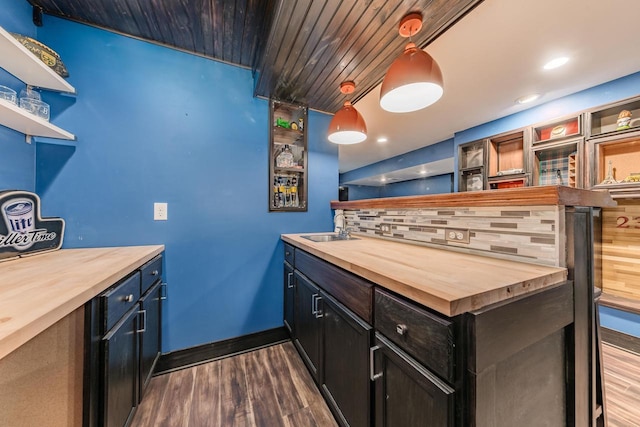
[(533, 234)]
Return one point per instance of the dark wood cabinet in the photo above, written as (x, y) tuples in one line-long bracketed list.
[(308, 325), (123, 328), (346, 342), (120, 370), (150, 333), (289, 299), (407, 394), (332, 340)]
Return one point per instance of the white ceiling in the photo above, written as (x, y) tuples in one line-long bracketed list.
[(494, 55)]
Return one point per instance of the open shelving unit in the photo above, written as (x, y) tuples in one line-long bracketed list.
[(507, 161), (287, 131), (21, 63)]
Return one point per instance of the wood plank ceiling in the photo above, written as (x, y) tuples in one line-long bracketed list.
[(299, 50)]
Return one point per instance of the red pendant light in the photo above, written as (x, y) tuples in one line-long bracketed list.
[(347, 125), (414, 80)]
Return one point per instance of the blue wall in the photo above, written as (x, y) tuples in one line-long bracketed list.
[(17, 162), (628, 323), (158, 125), (430, 185)]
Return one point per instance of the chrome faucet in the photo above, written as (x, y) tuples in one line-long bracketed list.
[(343, 231)]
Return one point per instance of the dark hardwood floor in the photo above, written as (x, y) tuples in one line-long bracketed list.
[(271, 388), (265, 388)]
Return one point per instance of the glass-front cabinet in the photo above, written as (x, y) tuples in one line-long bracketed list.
[(471, 166), (614, 148), (287, 157), (557, 153)]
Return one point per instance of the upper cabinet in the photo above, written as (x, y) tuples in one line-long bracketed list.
[(614, 148), (17, 60), (287, 157), (507, 160), (471, 166), (557, 152)]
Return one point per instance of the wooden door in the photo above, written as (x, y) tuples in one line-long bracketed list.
[(120, 370), (347, 340), (150, 335), (289, 299), (406, 393), (307, 322)]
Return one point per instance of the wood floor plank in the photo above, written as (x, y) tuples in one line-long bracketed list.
[(150, 405), (205, 406), (304, 384), (622, 386), (235, 408), (287, 395), (176, 402), (301, 417), (264, 402)]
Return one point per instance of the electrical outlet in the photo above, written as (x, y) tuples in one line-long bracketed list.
[(385, 228), (456, 235), (160, 212)]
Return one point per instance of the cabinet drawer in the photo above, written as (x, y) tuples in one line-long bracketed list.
[(349, 289), (151, 272), (289, 254), (117, 301), (426, 337)]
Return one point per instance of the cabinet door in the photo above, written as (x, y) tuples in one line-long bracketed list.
[(345, 368), (120, 370), (307, 321), (150, 334), (407, 394), (289, 299)]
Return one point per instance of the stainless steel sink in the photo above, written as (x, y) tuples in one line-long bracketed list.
[(328, 237)]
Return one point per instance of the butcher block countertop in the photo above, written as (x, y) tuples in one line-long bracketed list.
[(448, 282), (38, 291), (526, 196)]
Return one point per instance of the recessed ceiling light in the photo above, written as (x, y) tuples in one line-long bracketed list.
[(382, 139), (383, 179), (527, 98), (423, 172), (555, 63)]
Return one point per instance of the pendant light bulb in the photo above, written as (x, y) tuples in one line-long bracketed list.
[(414, 80), (347, 125)]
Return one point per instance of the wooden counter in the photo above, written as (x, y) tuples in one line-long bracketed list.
[(448, 282), (38, 291), (527, 196)]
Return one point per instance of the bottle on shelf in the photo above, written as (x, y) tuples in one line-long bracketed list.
[(285, 158), (294, 192)]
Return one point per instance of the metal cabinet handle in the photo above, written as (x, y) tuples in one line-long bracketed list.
[(289, 282), (314, 306), (401, 329), (163, 291), (144, 320), (128, 298), (318, 312), (154, 273), (372, 362)]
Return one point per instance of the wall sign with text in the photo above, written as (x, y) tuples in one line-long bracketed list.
[(22, 230)]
